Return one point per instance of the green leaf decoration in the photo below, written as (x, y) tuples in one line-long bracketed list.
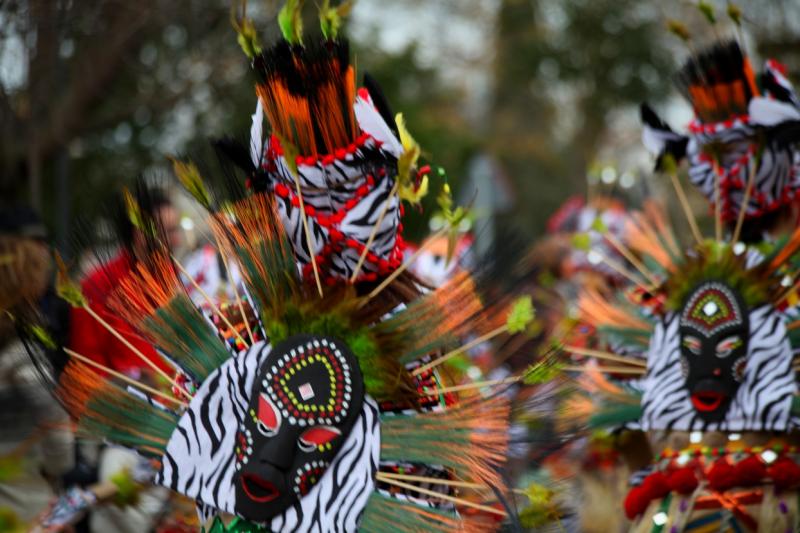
[(66, 288), (453, 217), (132, 207), (521, 314), (190, 178), (247, 37), (290, 20), (135, 215), (407, 164), (330, 18)]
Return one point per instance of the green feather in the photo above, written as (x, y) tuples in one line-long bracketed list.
[(330, 18), (127, 420), (189, 176), (290, 20), (708, 11), (181, 331)]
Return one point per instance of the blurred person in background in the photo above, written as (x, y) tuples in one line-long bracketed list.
[(87, 336), (36, 442)]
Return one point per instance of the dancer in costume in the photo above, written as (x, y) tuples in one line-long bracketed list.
[(716, 396), (717, 380), (338, 420), (742, 146)]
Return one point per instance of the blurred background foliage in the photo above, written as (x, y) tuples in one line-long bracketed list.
[(93, 94)]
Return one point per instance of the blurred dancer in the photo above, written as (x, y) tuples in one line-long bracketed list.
[(91, 339), (87, 336), (36, 444)]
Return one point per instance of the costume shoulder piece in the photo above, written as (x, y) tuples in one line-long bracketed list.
[(332, 417)]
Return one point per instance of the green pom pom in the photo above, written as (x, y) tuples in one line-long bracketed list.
[(290, 20), (542, 508)]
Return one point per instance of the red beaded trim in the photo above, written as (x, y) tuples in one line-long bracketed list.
[(695, 126), (717, 471), (275, 150), (338, 242)]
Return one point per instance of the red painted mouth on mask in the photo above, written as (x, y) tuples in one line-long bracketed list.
[(259, 489), (707, 400)]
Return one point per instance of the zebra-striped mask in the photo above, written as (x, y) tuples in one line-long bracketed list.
[(714, 334), (305, 401)]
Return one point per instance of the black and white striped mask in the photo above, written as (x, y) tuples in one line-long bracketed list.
[(762, 400), (205, 454)]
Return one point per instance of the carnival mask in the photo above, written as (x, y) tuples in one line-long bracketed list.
[(306, 398), (714, 334)]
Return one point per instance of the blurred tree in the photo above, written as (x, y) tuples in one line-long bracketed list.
[(561, 69), (93, 93)]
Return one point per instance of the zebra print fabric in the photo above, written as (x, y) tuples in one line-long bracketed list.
[(199, 461), (777, 177), (763, 400)]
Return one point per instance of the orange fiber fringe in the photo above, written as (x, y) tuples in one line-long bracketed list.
[(326, 115), (146, 288), (439, 437), (598, 311), (434, 321)]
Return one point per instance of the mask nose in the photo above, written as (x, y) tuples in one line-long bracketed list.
[(277, 453)]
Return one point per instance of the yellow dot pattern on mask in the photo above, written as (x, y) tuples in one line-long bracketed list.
[(324, 409)]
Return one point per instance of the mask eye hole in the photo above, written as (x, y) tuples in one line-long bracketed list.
[(727, 346), (268, 419), (316, 437), (693, 344)]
